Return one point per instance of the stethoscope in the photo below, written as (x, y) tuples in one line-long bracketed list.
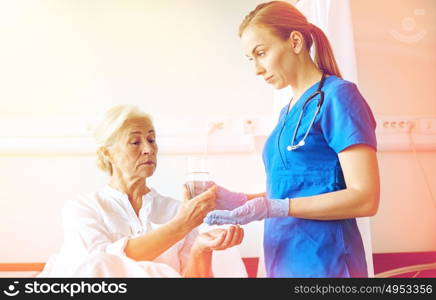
[(319, 92), (301, 143)]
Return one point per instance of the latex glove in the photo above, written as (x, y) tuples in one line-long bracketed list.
[(254, 210), (226, 199)]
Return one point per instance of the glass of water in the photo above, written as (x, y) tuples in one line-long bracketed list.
[(197, 175)]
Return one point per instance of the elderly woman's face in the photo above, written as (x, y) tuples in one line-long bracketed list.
[(134, 152)]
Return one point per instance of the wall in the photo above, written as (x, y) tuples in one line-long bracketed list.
[(65, 61), (71, 59), (395, 45)]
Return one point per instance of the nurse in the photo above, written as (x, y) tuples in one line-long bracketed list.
[(320, 159)]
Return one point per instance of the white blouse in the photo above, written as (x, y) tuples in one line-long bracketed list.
[(103, 222)]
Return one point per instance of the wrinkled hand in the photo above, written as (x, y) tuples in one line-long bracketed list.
[(254, 210), (219, 239), (193, 211), (226, 199)]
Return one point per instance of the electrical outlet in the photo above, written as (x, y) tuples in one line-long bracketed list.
[(215, 125), (396, 124)]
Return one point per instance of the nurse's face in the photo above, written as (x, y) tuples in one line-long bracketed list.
[(274, 58), (133, 155)]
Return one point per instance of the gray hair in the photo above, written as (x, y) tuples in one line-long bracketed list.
[(106, 129)]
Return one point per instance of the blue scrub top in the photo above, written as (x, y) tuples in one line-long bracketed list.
[(296, 247)]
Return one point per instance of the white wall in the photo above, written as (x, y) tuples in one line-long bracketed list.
[(71, 59), (75, 57), (395, 44)]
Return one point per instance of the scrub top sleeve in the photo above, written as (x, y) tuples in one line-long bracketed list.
[(347, 119)]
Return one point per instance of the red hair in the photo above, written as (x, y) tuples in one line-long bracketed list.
[(283, 18)]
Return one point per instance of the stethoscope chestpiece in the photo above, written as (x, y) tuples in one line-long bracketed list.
[(294, 147)]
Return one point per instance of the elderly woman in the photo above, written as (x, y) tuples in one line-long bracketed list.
[(128, 229)]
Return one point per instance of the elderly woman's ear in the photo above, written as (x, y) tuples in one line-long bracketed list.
[(104, 161), (106, 154)]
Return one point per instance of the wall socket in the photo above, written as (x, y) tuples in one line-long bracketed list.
[(405, 124), (396, 124)]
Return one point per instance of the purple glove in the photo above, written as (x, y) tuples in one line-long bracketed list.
[(254, 210), (226, 199)]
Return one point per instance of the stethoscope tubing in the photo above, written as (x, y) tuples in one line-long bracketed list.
[(293, 146)]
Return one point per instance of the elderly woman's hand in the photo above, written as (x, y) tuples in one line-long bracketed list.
[(193, 211), (218, 239)]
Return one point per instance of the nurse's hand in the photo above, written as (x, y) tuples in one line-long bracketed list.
[(218, 239), (254, 210), (226, 199)]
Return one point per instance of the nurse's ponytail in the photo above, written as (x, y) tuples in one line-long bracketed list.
[(283, 18), (324, 57)]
